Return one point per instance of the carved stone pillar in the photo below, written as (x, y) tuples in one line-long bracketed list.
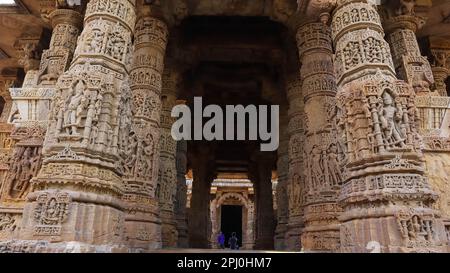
[(440, 76), (200, 201), (322, 170), (386, 197), (10, 212), (29, 46), (181, 194), (66, 28), (295, 181), (167, 186), (29, 107), (142, 159), (411, 66), (6, 82), (77, 194), (265, 218), (282, 190), (433, 109), (32, 100), (440, 56)]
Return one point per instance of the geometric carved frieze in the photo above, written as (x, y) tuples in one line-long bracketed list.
[(390, 187)]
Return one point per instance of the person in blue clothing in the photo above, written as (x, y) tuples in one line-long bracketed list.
[(233, 241), (221, 240)]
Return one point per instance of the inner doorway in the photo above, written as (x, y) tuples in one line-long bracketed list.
[(231, 221)]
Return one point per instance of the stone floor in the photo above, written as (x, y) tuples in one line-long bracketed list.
[(196, 250)]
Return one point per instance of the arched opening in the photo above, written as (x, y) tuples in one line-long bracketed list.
[(233, 61)]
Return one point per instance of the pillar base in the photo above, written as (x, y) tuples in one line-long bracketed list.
[(280, 235), (293, 233), (143, 232), (392, 229), (36, 246), (169, 231), (183, 239)]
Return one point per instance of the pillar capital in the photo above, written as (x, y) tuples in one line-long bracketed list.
[(314, 36), (404, 22), (398, 14), (67, 17)]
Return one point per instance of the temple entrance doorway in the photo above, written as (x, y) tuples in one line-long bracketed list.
[(231, 221)]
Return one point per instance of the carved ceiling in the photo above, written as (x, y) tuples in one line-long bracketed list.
[(28, 16)]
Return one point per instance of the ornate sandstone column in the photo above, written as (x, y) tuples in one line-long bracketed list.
[(265, 219), (386, 197), (282, 190), (141, 148), (401, 25), (322, 171), (167, 186), (440, 68), (181, 194), (31, 102), (10, 212), (28, 107), (295, 181), (77, 193), (203, 175)]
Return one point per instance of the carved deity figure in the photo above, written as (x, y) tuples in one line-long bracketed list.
[(334, 170), (7, 222), (52, 212), (148, 155), (131, 153), (24, 176), (316, 167), (95, 41), (440, 58), (391, 118), (24, 164), (115, 45), (341, 133), (364, 14), (75, 105), (294, 191), (352, 55)]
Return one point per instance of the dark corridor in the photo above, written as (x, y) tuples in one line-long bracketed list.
[(231, 221)]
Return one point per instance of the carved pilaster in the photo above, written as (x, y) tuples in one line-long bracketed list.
[(167, 186), (295, 182), (262, 181), (401, 27), (32, 100), (282, 189), (30, 45), (77, 193), (6, 82), (385, 196), (142, 149), (181, 194), (322, 170), (29, 112), (199, 216), (66, 28)]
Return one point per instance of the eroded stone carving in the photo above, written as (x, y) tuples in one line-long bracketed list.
[(51, 212)]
